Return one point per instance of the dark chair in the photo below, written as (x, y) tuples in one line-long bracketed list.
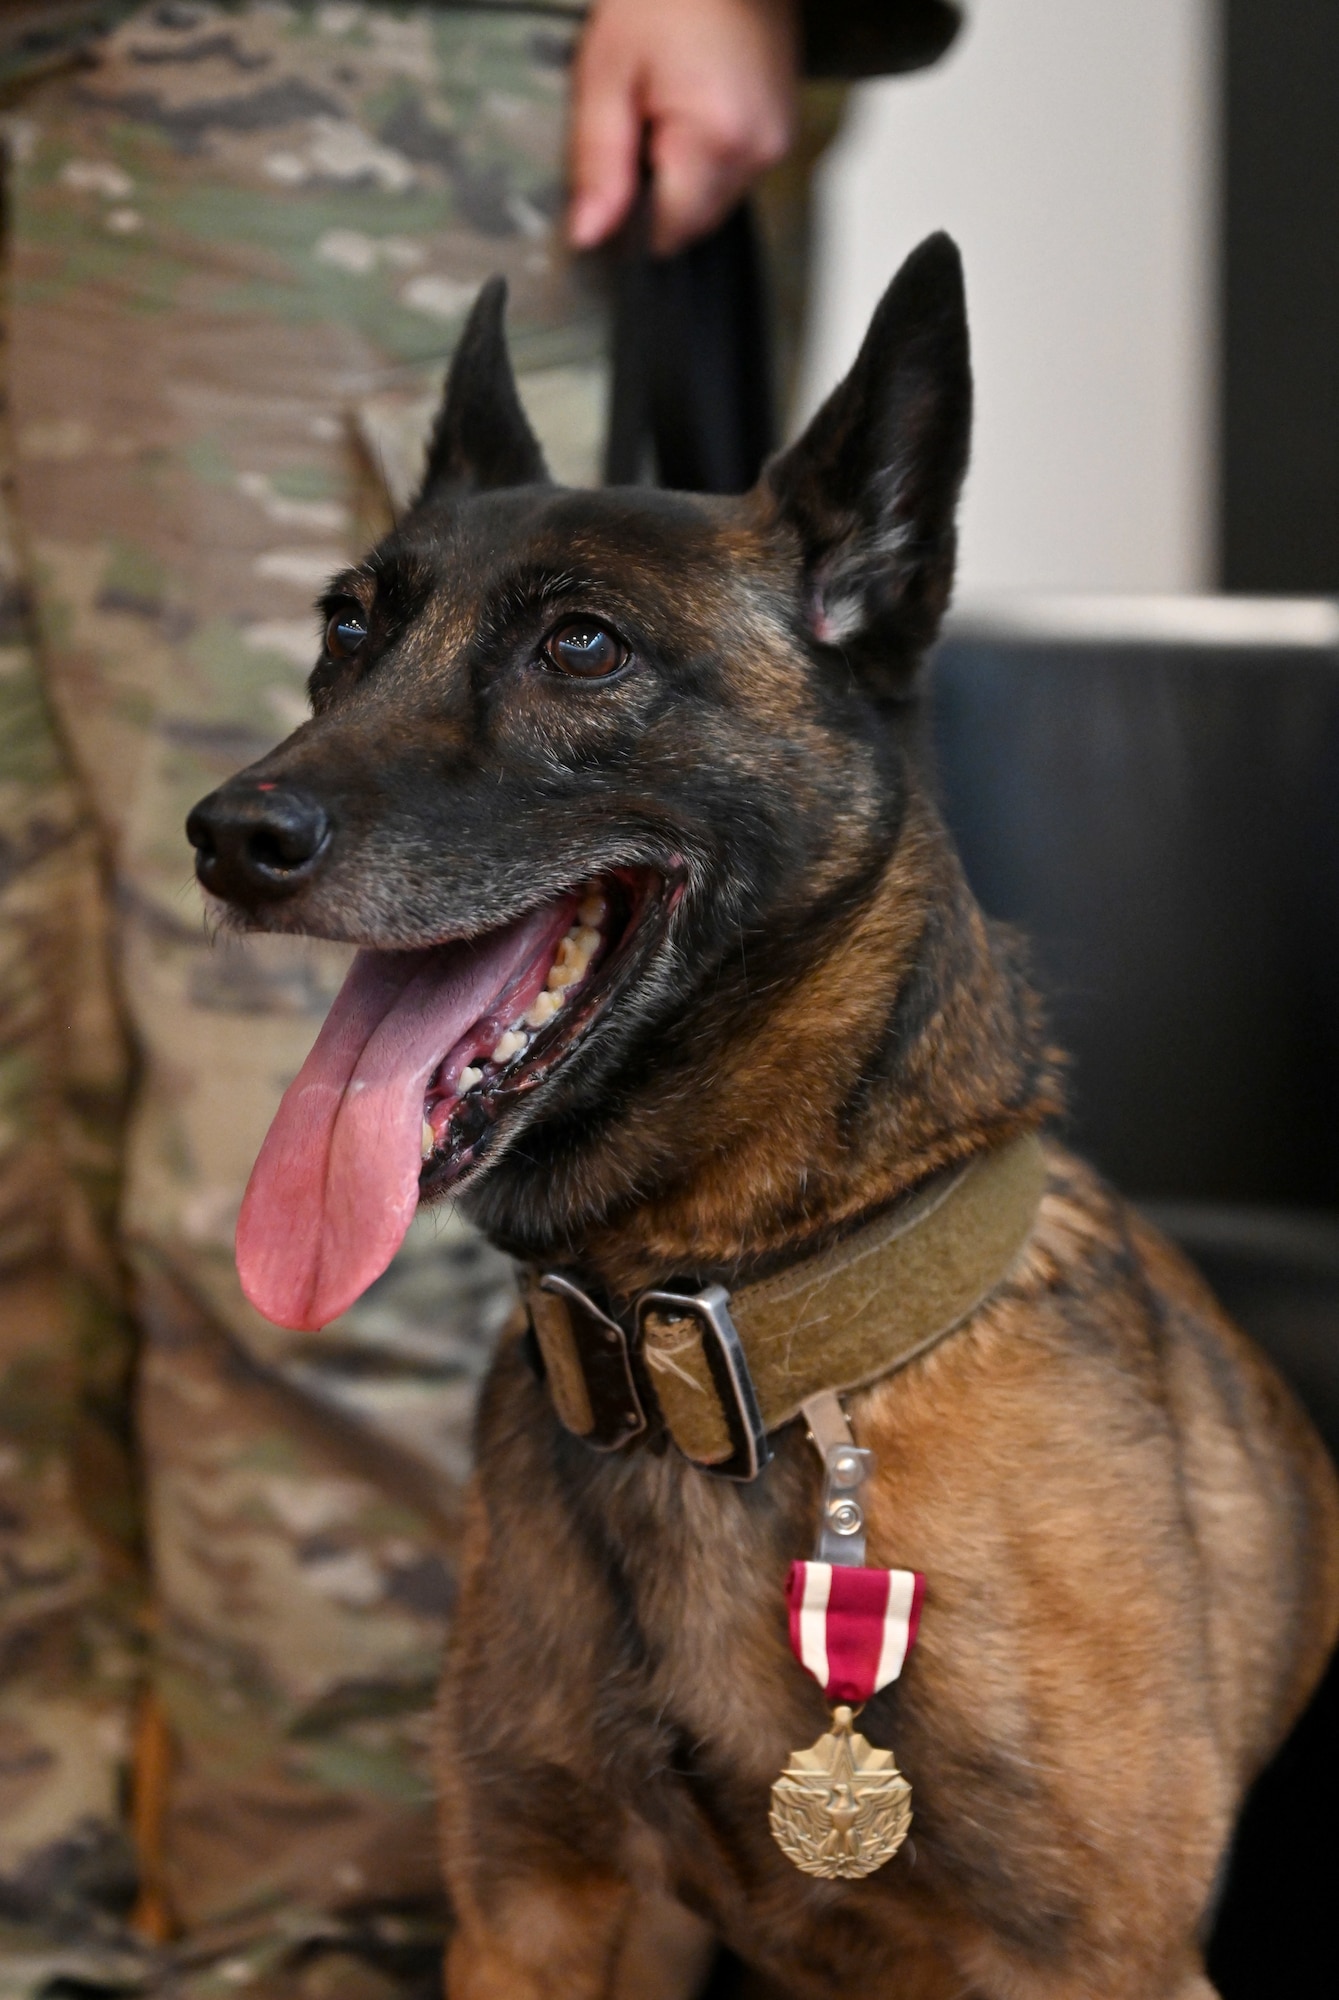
[(1160, 814)]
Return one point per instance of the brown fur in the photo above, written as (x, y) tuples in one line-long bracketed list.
[(800, 1145), (1131, 1538), (1129, 1531)]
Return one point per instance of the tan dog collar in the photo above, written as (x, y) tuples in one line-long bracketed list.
[(725, 1368)]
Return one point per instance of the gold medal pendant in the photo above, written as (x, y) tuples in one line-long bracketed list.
[(841, 1808)]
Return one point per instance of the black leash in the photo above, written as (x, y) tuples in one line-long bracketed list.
[(692, 404)]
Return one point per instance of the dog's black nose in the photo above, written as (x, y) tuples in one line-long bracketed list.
[(255, 842)]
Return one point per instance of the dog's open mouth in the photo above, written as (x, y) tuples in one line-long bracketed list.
[(422, 1059)]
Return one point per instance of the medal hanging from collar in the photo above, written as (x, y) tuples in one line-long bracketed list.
[(842, 1808)]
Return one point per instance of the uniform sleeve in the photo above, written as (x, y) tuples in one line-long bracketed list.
[(859, 38)]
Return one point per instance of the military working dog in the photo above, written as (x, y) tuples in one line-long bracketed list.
[(671, 976)]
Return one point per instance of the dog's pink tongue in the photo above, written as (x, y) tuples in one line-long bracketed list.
[(336, 1183)]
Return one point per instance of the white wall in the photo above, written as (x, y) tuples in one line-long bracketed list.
[(1068, 145)]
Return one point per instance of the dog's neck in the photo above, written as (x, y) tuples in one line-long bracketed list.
[(908, 1042)]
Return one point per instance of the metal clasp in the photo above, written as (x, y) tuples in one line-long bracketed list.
[(729, 1369), (846, 1467), (589, 1366)]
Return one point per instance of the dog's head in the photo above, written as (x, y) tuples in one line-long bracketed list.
[(586, 770)]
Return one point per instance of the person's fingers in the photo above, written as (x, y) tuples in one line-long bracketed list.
[(695, 183), (712, 85), (702, 165), (605, 149)]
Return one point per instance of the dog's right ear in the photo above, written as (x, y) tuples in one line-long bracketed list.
[(481, 438), (872, 486)]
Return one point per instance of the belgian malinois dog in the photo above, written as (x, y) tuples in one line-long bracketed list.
[(670, 974)]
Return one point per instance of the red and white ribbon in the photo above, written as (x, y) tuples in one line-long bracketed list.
[(852, 1628)]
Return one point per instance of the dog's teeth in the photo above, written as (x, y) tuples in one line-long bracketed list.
[(541, 1009), (467, 1079), (573, 957), (593, 911), (427, 1140), (566, 968), (507, 1046)]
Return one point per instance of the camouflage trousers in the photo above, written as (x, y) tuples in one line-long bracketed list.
[(241, 241)]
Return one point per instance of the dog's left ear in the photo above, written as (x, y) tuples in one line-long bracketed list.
[(872, 486), (481, 438)]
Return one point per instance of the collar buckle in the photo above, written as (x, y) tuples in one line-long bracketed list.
[(695, 1358), (588, 1364)]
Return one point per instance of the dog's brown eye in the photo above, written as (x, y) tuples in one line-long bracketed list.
[(345, 632), (586, 649)]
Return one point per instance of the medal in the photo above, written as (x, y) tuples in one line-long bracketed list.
[(842, 1808)]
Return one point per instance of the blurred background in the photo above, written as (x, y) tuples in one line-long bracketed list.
[(1147, 198)]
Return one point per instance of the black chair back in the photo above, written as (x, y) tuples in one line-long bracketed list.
[(1159, 812)]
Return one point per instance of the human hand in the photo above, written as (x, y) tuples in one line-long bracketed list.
[(711, 84)]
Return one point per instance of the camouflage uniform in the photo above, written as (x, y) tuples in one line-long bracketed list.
[(242, 243)]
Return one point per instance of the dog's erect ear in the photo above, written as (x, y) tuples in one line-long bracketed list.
[(872, 486), (481, 438)]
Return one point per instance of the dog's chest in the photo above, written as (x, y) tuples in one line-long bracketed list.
[(702, 1564)]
